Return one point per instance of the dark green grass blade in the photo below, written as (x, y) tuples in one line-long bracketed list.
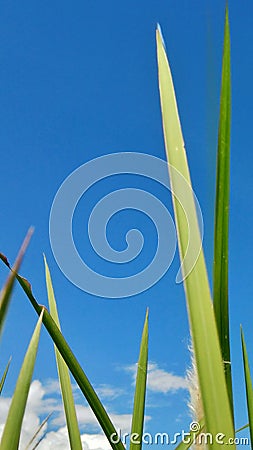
[(2, 381), (12, 429), (220, 266), (140, 391), (248, 385), (64, 377), (74, 367), (5, 294)]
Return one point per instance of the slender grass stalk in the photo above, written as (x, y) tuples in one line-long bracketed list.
[(64, 377), (205, 338), (43, 423), (242, 428), (248, 386), (140, 392), (11, 434), (221, 235)]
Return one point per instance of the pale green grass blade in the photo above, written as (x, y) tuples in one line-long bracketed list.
[(191, 438), (140, 391), (217, 413), (2, 381), (74, 367), (64, 377), (220, 266), (248, 385), (12, 429), (5, 294)]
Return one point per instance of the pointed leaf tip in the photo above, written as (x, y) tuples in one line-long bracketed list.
[(160, 34), (4, 259)]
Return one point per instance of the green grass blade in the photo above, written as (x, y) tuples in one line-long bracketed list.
[(248, 385), (5, 294), (2, 381), (220, 266), (12, 429), (217, 413), (140, 391), (191, 438), (64, 377), (74, 367)]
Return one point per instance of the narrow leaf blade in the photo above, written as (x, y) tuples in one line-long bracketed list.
[(12, 429), (64, 377), (140, 391)]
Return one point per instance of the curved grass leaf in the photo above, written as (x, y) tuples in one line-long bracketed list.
[(74, 367), (140, 391), (220, 265), (248, 385), (5, 294), (11, 434), (205, 338), (64, 377), (2, 381)]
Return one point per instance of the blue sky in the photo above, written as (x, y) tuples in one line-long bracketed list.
[(79, 81)]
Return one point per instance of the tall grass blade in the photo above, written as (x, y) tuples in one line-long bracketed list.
[(248, 385), (140, 391), (220, 266), (64, 377), (75, 368), (217, 413), (2, 381), (5, 294), (12, 429)]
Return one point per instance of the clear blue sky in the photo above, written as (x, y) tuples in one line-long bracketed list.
[(77, 81)]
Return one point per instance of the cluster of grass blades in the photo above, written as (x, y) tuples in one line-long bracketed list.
[(209, 320)]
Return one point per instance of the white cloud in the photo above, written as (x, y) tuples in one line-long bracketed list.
[(159, 380), (106, 391)]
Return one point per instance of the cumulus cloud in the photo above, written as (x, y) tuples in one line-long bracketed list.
[(159, 380)]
